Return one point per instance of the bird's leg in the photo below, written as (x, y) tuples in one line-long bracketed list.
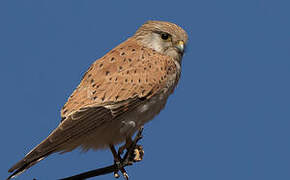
[(125, 146), (134, 152), (119, 163)]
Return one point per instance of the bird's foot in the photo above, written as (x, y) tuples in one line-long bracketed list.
[(118, 162), (133, 154), (138, 154)]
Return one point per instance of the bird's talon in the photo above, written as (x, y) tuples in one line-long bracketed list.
[(126, 176), (116, 175), (138, 153)]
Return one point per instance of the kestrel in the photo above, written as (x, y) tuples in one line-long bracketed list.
[(118, 94)]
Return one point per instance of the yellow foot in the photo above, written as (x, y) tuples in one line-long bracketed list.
[(138, 153)]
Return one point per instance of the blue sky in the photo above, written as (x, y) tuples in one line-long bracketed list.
[(228, 119)]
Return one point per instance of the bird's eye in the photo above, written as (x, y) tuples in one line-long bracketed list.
[(164, 36)]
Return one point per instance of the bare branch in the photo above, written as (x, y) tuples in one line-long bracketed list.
[(93, 173)]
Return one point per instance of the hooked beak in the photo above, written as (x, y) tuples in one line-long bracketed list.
[(180, 46)]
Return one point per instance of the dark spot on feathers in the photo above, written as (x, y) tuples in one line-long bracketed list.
[(123, 53), (127, 71), (142, 98), (139, 80), (133, 50), (112, 59), (101, 65), (116, 97), (129, 59), (107, 73), (95, 97), (92, 81), (94, 92), (89, 75), (120, 67), (126, 80)]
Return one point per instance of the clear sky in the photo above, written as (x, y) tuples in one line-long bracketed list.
[(229, 118)]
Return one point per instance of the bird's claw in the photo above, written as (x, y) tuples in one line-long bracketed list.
[(138, 153), (133, 154)]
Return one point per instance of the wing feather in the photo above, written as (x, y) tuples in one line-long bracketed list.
[(114, 85), (126, 72)]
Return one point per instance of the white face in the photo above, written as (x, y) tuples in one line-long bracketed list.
[(162, 43), (155, 42)]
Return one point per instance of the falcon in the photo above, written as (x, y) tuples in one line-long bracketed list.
[(118, 94)]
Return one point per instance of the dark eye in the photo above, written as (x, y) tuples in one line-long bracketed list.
[(164, 36)]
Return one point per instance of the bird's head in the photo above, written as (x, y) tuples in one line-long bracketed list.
[(164, 37)]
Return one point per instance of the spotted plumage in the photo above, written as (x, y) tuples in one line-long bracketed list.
[(118, 94), (127, 71)]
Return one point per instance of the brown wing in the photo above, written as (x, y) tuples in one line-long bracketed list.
[(113, 85), (127, 71)]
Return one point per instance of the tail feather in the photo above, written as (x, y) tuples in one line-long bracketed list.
[(22, 166), (34, 156), (46, 147)]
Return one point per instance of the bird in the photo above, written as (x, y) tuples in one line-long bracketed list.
[(118, 94)]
